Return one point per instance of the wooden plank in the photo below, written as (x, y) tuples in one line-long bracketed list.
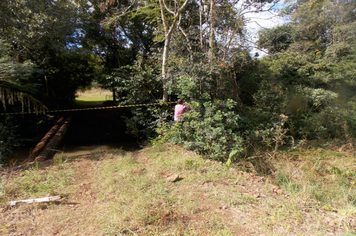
[(43, 199)]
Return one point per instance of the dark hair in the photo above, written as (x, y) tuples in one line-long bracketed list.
[(180, 101)]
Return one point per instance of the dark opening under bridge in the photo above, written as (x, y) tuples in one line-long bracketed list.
[(87, 124)]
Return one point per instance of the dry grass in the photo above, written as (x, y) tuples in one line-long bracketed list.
[(127, 193)]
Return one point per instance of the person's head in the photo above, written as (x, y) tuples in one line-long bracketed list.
[(180, 101)]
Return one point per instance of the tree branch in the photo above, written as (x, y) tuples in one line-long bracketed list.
[(185, 35), (169, 10)]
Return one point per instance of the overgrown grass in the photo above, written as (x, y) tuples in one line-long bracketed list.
[(34, 182), (127, 193), (320, 176)]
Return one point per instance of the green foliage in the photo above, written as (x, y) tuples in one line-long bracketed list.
[(285, 112), (263, 129), (74, 69), (311, 80), (139, 35), (140, 84), (49, 34), (337, 171), (210, 128), (14, 81), (330, 123), (276, 39), (185, 86)]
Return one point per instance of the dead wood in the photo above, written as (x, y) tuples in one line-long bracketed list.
[(43, 199)]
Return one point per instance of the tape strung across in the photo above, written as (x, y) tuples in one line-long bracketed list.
[(92, 108)]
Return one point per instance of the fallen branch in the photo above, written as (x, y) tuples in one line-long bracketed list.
[(43, 199)]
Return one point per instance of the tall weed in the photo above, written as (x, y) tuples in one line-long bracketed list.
[(315, 178)]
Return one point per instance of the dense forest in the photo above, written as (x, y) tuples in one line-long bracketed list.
[(145, 51)]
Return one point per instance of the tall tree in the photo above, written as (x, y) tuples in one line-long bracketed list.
[(204, 31), (137, 18), (126, 31), (169, 26)]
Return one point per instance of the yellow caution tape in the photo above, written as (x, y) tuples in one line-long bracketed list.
[(86, 109)]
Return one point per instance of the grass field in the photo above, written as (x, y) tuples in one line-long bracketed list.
[(93, 97), (308, 192)]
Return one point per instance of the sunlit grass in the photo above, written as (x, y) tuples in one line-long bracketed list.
[(93, 97)]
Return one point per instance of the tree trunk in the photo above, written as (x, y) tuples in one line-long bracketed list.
[(114, 94), (52, 145), (164, 67), (212, 28), (40, 146), (201, 10), (168, 30)]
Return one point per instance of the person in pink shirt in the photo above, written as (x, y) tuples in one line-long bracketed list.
[(179, 110)]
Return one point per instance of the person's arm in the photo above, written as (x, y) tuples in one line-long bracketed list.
[(186, 107)]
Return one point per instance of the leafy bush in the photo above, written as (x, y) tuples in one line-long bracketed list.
[(266, 130), (326, 124), (210, 128), (283, 114)]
